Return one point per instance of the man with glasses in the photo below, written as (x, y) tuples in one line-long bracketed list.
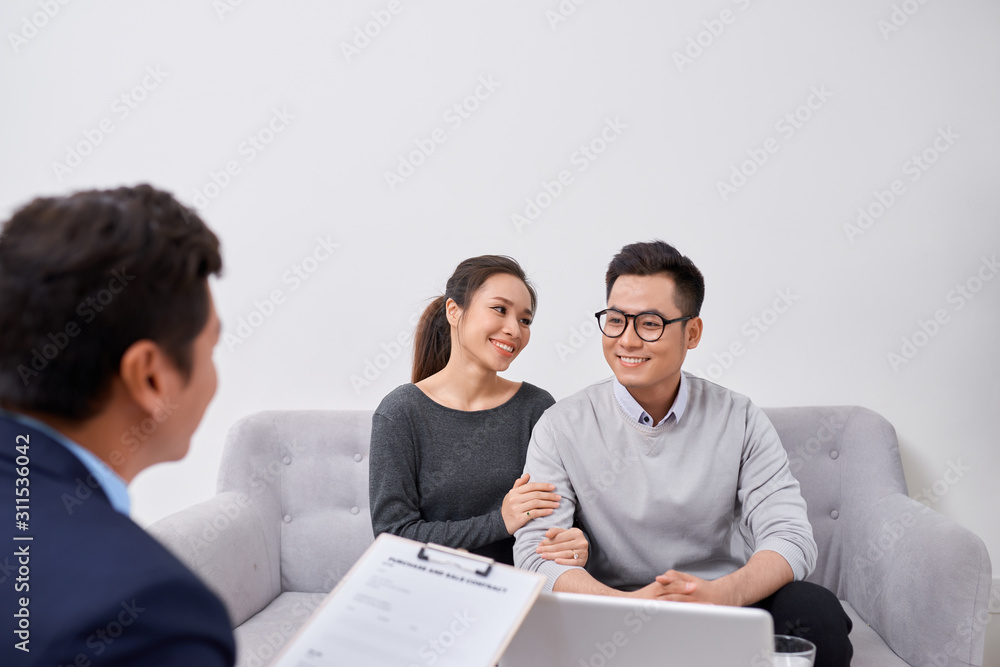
[(681, 485)]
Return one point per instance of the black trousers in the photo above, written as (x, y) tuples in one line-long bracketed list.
[(806, 610)]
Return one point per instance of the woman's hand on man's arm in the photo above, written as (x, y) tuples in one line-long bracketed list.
[(526, 501)]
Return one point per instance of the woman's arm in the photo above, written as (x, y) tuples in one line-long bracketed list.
[(395, 500)]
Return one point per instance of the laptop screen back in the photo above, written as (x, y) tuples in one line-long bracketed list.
[(572, 630)]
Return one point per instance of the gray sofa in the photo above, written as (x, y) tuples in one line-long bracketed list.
[(291, 516)]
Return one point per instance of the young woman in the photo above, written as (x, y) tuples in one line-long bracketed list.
[(447, 451)]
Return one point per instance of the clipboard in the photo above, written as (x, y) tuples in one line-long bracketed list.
[(409, 604)]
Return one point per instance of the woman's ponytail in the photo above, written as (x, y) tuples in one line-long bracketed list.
[(432, 343)]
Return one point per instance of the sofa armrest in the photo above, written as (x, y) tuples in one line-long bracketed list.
[(920, 580), (232, 545)]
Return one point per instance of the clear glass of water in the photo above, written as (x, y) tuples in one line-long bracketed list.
[(793, 652)]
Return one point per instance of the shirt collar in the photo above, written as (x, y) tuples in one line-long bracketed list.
[(114, 486), (635, 411)]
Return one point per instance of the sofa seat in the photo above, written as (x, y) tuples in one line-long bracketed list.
[(264, 634), (869, 649)]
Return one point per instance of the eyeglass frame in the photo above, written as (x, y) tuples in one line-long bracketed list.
[(635, 320)]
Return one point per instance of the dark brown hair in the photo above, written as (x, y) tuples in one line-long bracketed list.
[(83, 277), (432, 343), (653, 257)]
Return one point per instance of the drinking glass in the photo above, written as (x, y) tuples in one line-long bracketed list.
[(793, 652)]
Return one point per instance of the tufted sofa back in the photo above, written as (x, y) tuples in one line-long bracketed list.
[(307, 471), (846, 459)]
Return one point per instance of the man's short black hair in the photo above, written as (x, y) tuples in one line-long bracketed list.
[(655, 257), (83, 277)]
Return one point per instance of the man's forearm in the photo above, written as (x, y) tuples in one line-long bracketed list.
[(580, 581), (764, 573)]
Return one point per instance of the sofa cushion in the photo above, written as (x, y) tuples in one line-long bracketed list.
[(262, 637)]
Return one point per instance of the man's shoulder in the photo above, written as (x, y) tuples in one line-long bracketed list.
[(71, 515), (711, 403), (119, 573), (584, 404), (92, 567), (707, 395)]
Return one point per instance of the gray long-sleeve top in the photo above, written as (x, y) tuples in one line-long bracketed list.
[(699, 495), (440, 475)]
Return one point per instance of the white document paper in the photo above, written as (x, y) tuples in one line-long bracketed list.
[(395, 609)]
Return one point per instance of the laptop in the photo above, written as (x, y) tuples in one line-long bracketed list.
[(575, 630)]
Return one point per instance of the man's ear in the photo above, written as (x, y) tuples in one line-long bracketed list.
[(692, 332), (147, 375), (453, 311)]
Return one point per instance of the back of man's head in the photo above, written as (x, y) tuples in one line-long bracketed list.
[(83, 277), (657, 257)]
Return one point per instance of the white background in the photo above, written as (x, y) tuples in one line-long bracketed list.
[(892, 87)]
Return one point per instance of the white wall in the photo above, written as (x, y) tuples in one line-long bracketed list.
[(888, 91)]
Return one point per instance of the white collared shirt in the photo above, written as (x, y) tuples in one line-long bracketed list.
[(635, 411)]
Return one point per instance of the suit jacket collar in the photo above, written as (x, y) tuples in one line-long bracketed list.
[(47, 456)]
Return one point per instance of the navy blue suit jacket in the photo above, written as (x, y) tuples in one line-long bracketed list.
[(99, 589)]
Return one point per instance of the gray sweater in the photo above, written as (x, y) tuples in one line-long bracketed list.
[(699, 495), (440, 475)]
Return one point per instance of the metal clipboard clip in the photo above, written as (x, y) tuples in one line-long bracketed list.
[(435, 553)]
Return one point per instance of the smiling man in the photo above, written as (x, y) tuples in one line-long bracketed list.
[(682, 486), (107, 328)]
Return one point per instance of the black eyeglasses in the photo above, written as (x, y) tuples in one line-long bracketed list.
[(648, 326)]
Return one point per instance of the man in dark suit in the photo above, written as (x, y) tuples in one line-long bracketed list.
[(107, 327)]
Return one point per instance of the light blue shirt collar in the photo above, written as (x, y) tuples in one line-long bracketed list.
[(114, 486), (635, 411)]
